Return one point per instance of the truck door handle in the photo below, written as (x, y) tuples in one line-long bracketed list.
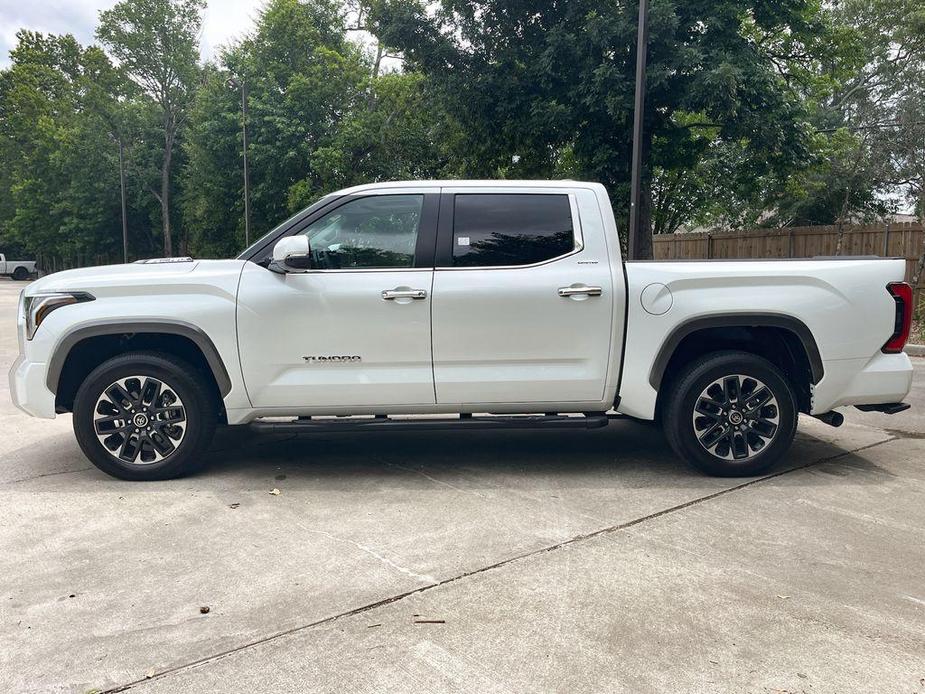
[(397, 293), (579, 290)]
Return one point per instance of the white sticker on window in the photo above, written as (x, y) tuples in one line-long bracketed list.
[(463, 241)]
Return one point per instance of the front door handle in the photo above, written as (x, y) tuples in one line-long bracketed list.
[(402, 293), (579, 290)]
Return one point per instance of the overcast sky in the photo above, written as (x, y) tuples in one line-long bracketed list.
[(224, 20)]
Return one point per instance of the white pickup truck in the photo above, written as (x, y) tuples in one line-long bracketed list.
[(492, 304), (19, 270)]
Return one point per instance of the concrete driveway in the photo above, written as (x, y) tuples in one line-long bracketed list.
[(483, 562)]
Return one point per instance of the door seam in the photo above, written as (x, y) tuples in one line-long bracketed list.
[(436, 231)]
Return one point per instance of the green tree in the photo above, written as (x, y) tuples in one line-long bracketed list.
[(212, 198), (399, 133), (890, 91), (546, 89), (321, 117), (59, 178), (156, 43), (905, 144), (855, 89), (303, 79)]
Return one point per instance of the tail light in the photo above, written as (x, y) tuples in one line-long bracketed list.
[(902, 295)]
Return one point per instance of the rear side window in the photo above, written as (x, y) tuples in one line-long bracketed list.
[(491, 230)]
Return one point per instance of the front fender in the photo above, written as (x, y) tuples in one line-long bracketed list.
[(116, 326)]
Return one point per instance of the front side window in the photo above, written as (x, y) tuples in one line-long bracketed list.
[(510, 229), (263, 240), (379, 231)]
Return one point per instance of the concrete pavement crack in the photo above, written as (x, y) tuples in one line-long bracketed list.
[(504, 562), (902, 434), (425, 578)]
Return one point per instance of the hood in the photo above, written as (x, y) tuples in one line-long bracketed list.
[(110, 276)]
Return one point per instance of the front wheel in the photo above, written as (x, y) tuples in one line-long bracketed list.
[(145, 416), (731, 414)]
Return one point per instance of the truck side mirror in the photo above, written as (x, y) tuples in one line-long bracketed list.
[(291, 254)]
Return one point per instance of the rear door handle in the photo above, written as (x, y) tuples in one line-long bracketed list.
[(392, 294), (579, 290)]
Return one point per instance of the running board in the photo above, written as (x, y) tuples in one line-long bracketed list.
[(306, 425), (885, 408)]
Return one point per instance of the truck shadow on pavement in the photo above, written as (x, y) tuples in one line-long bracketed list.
[(626, 453), (634, 454)]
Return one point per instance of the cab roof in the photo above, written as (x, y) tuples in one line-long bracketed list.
[(474, 183)]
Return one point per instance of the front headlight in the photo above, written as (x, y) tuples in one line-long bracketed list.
[(38, 306)]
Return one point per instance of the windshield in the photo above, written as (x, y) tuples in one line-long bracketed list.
[(243, 255)]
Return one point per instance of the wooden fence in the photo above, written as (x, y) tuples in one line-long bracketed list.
[(902, 240)]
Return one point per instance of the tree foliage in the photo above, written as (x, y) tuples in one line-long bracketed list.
[(58, 163), (550, 84), (156, 44), (320, 118), (768, 112)]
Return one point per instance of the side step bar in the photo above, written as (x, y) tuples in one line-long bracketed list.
[(306, 425), (886, 408)]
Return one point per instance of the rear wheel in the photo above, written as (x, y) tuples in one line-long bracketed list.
[(20, 274), (145, 416), (731, 414)]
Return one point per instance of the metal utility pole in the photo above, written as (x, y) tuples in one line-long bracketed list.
[(242, 85), (642, 40), (122, 186)]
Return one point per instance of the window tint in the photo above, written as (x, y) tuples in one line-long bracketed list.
[(491, 230), (379, 231)]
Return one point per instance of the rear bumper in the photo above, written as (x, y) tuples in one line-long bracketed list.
[(882, 379), (28, 389)]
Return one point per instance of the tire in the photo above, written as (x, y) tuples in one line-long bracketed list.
[(134, 430), (721, 431), (20, 274)]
